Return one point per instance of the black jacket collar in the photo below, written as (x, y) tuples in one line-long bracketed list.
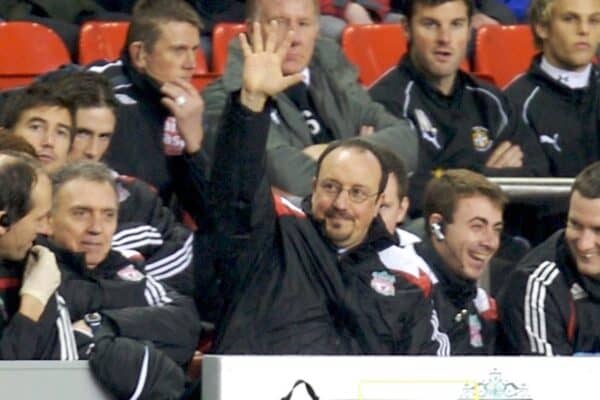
[(458, 290), (147, 89), (453, 99), (75, 262)]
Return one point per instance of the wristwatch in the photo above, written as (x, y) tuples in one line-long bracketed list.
[(93, 320)]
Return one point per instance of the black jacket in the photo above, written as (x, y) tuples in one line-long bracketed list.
[(136, 306), (466, 313), (49, 338), (565, 121), (456, 131), (138, 146), (149, 229), (291, 291), (547, 307)]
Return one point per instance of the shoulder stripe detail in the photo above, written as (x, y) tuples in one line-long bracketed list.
[(155, 293), (503, 116), (66, 337), (444, 347), (101, 68), (139, 387), (125, 99), (173, 263), (134, 238), (526, 104), (285, 207), (407, 98), (514, 79), (534, 304)]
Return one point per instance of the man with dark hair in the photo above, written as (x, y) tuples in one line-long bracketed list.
[(327, 105), (563, 79), (463, 218), (30, 309), (462, 122), (159, 122), (44, 118), (144, 224), (550, 304), (309, 280)]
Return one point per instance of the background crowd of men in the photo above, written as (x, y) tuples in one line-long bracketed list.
[(271, 209)]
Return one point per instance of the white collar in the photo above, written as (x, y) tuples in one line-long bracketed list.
[(572, 79), (306, 76)]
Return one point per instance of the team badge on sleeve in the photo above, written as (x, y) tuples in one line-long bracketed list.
[(129, 273), (481, 138), (383, 283)]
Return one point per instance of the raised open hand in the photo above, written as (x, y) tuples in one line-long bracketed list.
[(262, 75)]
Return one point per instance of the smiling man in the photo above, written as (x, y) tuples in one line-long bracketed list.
[(327, 105), (551, 303), (309, 280), (461, 122), (463, 215)]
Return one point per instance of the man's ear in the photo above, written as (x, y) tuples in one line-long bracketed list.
[(406, 26), (138, 55), (435, 218), (404, 204), (378, 203), (541, 30)]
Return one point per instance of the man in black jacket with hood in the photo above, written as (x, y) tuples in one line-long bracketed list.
[(551, 302), (159, 122), (309, 280), (463, 217)]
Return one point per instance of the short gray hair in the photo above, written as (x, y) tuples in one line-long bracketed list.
[(92, 171)]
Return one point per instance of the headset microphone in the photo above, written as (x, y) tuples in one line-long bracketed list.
[(437, 231)]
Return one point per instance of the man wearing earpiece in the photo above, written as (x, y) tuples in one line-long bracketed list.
[(463, 217), (30, 309)]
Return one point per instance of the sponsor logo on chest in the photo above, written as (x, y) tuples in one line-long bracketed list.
[(481, 138), (383, 283)]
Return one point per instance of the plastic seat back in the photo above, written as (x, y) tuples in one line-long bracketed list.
[(28, 50), (503, 52), (222, 35)]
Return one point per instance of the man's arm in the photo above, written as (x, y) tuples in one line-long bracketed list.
[(146, 226), (19, 338), (517, 151), (531, 319)]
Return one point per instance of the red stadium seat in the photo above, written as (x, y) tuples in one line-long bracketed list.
[(102, 40), (373, 48), (376, 48), (222, 35), (28, 49), (503, 52)]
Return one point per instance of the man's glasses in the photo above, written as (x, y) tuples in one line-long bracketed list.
[(356, 194)]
